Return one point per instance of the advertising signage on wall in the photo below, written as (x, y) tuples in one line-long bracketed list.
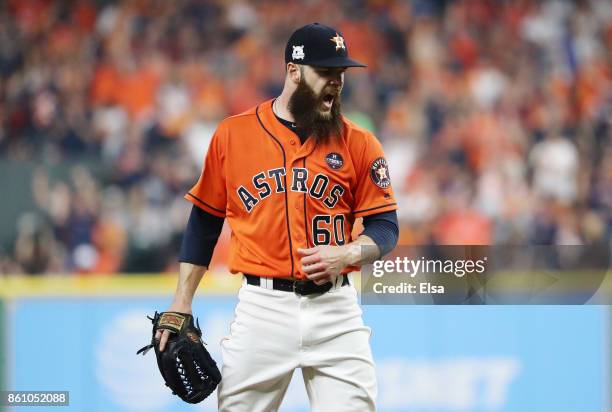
[(429, 358)]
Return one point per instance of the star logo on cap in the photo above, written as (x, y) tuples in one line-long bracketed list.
[(339, 40)]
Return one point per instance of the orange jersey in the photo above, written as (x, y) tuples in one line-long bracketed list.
[(279, 195)]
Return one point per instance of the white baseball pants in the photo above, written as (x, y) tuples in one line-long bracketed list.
[(275, 332)]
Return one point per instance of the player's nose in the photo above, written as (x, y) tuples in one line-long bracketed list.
[(335, 85)]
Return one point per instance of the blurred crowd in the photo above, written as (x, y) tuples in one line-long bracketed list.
[(496, 116)]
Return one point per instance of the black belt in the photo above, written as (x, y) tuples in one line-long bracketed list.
[(301, 287)]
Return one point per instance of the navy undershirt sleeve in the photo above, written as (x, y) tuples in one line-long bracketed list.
[(200, 237), (383, 229)]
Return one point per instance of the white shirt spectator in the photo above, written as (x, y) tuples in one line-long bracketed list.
[(555, 164)]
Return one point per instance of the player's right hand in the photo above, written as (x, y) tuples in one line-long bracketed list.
[(323, 263), (162, 336)]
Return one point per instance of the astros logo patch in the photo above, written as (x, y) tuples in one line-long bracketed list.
[(339, 42), (334, 160), (379, 172)]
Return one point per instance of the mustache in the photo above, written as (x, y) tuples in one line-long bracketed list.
[(332, 90)]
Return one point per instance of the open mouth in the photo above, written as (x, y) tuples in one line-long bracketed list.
[(328, 101)]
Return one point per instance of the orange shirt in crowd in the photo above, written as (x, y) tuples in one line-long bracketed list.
[(463, 227)]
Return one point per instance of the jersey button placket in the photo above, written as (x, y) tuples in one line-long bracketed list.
[(298, 219), (298, 204), (296, 199)]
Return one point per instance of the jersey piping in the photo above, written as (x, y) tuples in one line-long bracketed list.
[(306, 215), (286, 191), (374, 208), (206, 204)]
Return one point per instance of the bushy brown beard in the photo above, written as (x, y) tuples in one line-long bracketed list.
[(303, 105)]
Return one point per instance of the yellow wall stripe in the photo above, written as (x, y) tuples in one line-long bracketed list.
[(118, 285)]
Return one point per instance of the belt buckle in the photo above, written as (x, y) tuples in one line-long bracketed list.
[(298, 287)]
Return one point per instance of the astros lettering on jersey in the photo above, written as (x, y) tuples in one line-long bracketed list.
[(256, 169)]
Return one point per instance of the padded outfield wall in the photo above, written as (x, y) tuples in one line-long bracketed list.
[(81, 335), (3, 367)]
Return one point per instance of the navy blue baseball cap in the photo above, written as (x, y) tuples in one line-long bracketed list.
[(318, 45)]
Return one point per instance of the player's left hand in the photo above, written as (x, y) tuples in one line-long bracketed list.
[(324, 263)]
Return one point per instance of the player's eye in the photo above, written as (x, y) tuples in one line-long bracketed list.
[(328, 72)]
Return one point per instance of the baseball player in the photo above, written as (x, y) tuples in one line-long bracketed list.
[(291, 176)]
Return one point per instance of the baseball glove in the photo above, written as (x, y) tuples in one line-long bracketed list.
[(185, 364)]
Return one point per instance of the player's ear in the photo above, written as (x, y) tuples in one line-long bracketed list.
[(294, 72)]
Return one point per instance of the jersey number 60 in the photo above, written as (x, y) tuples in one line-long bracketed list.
[(324, 225)]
